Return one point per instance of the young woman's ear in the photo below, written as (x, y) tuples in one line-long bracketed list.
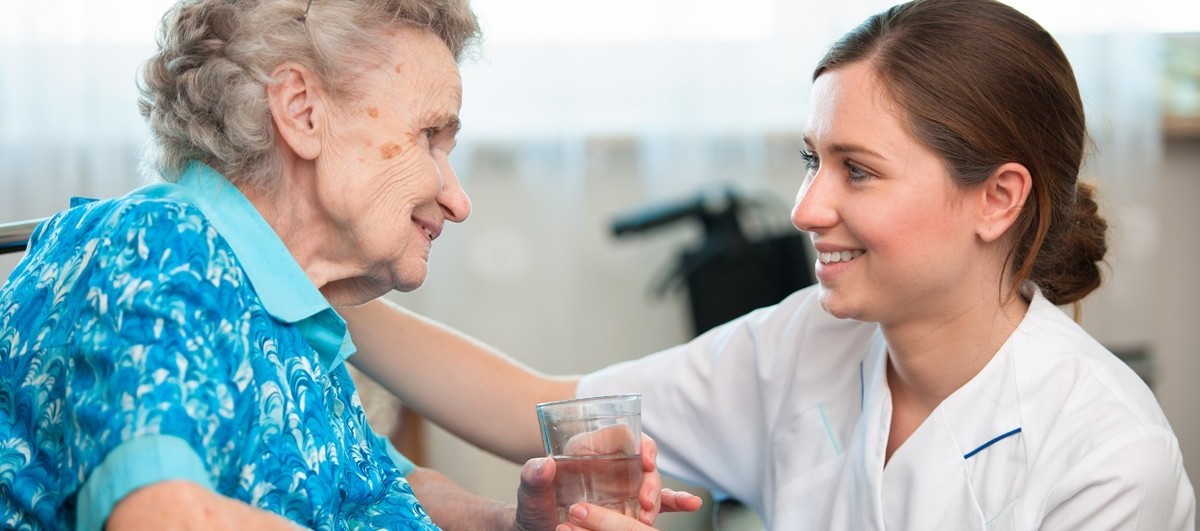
[(297, 109), (1001, 198)]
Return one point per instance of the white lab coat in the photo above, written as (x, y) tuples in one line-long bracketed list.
[(787, 410)]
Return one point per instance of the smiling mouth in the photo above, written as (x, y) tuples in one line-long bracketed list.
[(839, 256)]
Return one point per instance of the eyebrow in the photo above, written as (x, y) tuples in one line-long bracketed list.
[(848, 148), (441, 121)]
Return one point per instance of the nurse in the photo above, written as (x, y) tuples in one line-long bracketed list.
[(929, 381)]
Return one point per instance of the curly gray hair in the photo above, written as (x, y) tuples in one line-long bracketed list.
[(204, 93)]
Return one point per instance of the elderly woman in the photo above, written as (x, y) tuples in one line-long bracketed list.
[(173, 357)]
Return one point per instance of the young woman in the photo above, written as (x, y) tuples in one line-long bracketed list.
[(929, 381)]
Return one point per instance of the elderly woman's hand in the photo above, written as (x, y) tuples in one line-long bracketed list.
[(537, 510)]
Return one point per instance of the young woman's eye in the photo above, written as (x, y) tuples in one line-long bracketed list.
[(811, 162), (856, 174)]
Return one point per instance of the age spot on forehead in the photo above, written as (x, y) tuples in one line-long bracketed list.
[(389, 150), (372, 112), (397, 69)]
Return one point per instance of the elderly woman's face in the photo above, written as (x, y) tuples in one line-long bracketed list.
[(390, 187)]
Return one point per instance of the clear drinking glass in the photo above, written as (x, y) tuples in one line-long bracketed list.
[(596, 446)]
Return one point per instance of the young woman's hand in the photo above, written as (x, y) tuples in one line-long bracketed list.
[(536, 508), (588, 517), (653, 497)]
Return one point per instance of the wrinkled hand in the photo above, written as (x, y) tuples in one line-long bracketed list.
[(537, 511)]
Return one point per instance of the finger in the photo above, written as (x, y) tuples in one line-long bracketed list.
[(589, 516), (679, 501), (649, 497), (649, 454), (650, 493), (537, 476), (536, 508)]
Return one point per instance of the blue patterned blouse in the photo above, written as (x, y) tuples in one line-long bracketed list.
[(169, 334)]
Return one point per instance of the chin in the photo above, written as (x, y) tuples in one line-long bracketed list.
[(406, 286), (409, 279), (837, 305)]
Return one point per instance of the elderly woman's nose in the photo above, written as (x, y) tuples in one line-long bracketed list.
[(453, 199)]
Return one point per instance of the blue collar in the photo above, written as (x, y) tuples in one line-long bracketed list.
[(286, 291)]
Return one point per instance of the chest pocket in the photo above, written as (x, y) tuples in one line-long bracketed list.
[(809, 458), (813, 436), (809, 440), (998, 476)]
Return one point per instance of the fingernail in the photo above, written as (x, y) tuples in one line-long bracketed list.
[(579, 512), (539, 467)]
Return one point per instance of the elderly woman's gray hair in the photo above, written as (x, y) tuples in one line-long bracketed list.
[(204, 93)]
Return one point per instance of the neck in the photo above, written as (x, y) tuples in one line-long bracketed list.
[(292, 207), (928, 360)]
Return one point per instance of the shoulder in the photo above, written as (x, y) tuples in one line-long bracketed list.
[(1061, 366), (133, 225), (1136, 475), (133, 252), (147, 225), (1078, 400), (156, 237), (1097, 444), (792, 344), (798, 329)]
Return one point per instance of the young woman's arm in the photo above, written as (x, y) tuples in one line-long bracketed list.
[(470, 389)]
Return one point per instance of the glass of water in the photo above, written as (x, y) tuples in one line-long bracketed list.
[(596, 446)]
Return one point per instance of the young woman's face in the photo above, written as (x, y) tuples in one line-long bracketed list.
[(894, 238)]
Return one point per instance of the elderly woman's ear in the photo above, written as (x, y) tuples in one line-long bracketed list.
[(297, 109)]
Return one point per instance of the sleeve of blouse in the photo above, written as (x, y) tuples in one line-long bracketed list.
[(402, 462), (1135, 481), (152, 387)]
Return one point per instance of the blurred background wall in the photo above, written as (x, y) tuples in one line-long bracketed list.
[(576, 112)]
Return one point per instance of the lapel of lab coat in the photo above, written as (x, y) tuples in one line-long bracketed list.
[(968, 451), (867, 447)]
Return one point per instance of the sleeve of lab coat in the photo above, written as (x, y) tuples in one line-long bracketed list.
[(1134, 481), (709, 404)]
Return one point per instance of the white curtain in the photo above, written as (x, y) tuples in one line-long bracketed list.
[(576, 112)]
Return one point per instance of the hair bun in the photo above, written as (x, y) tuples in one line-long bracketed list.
[(1068, 269)]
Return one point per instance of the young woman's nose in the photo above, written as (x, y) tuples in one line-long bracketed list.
[(814, 206)]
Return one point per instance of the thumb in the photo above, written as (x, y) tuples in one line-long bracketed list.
[(536, 509)]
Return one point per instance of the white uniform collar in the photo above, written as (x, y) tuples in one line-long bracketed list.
[(976, 428)]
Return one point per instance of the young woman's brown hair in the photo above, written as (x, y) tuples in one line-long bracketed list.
[(982, 85)]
